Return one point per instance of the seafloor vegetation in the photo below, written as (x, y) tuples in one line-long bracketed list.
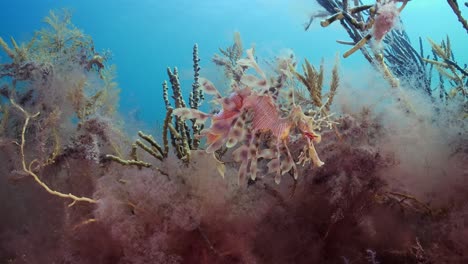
[(287, 164)]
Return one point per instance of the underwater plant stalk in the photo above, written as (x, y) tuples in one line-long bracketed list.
[(183, 147), (394, 83), (167, 122), (131, 162), (196, 96), (454, 5), (28, 169)]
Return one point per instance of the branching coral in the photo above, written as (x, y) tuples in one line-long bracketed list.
[(382, 18), (405, 62), (366, 22), (154, 149), (444, 61), (183, 138), (181, 143), (377, 21), (196, 96), (399, 60), (399, 63), (253, 111)]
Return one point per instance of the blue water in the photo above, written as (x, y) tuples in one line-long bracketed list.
[(147, 36)]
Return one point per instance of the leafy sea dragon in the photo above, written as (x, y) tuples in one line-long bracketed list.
[(248, 112)]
